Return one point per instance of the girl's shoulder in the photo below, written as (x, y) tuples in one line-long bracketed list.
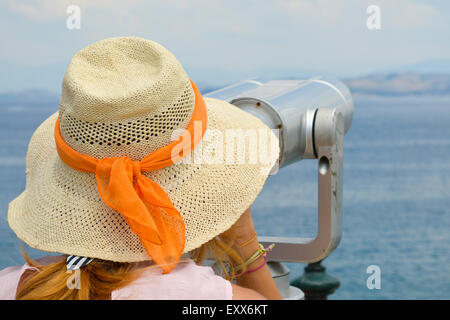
[(187, 281), (10, 278)]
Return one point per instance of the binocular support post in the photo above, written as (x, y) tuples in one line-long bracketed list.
[(328, 142)]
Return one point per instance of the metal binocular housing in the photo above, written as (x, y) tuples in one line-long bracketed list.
[(312, 117)]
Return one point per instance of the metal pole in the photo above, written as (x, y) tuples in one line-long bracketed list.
[(316, 283)]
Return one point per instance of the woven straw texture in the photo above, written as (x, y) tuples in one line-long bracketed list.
[(126, 97)]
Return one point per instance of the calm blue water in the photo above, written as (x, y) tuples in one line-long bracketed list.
[(396, 196)]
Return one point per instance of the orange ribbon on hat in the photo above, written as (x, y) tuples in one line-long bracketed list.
[(146, 207)]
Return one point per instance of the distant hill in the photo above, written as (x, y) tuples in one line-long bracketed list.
[(437, 66), (374, 84), (408, 83), (401, 84)]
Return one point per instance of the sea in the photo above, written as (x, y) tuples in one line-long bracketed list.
[(396, 197)]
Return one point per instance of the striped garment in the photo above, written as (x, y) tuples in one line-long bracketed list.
[(76, 262)]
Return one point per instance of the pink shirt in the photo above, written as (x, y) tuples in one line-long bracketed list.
[(187, 281)]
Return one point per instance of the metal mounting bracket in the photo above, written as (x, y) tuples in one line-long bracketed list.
[(328, 137)]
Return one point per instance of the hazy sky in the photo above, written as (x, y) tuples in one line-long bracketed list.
[(220, 41)]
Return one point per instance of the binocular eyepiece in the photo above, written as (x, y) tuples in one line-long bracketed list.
[(291, 106)]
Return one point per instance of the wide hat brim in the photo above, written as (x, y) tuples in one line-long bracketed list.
[(61, 210)]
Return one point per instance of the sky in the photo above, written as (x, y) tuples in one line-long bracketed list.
[(224, 41)]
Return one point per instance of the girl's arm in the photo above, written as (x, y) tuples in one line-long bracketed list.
[(260, 282)]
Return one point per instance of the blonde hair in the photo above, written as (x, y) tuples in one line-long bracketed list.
[(100, 278)]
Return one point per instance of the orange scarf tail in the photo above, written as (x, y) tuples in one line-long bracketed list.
[(146, 207)]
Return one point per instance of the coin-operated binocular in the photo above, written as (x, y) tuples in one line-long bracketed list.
[(312, 116)]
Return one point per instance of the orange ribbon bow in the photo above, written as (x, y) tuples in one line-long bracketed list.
[(146, 207)]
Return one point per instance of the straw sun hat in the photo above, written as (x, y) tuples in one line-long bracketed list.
[(128, 97)]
